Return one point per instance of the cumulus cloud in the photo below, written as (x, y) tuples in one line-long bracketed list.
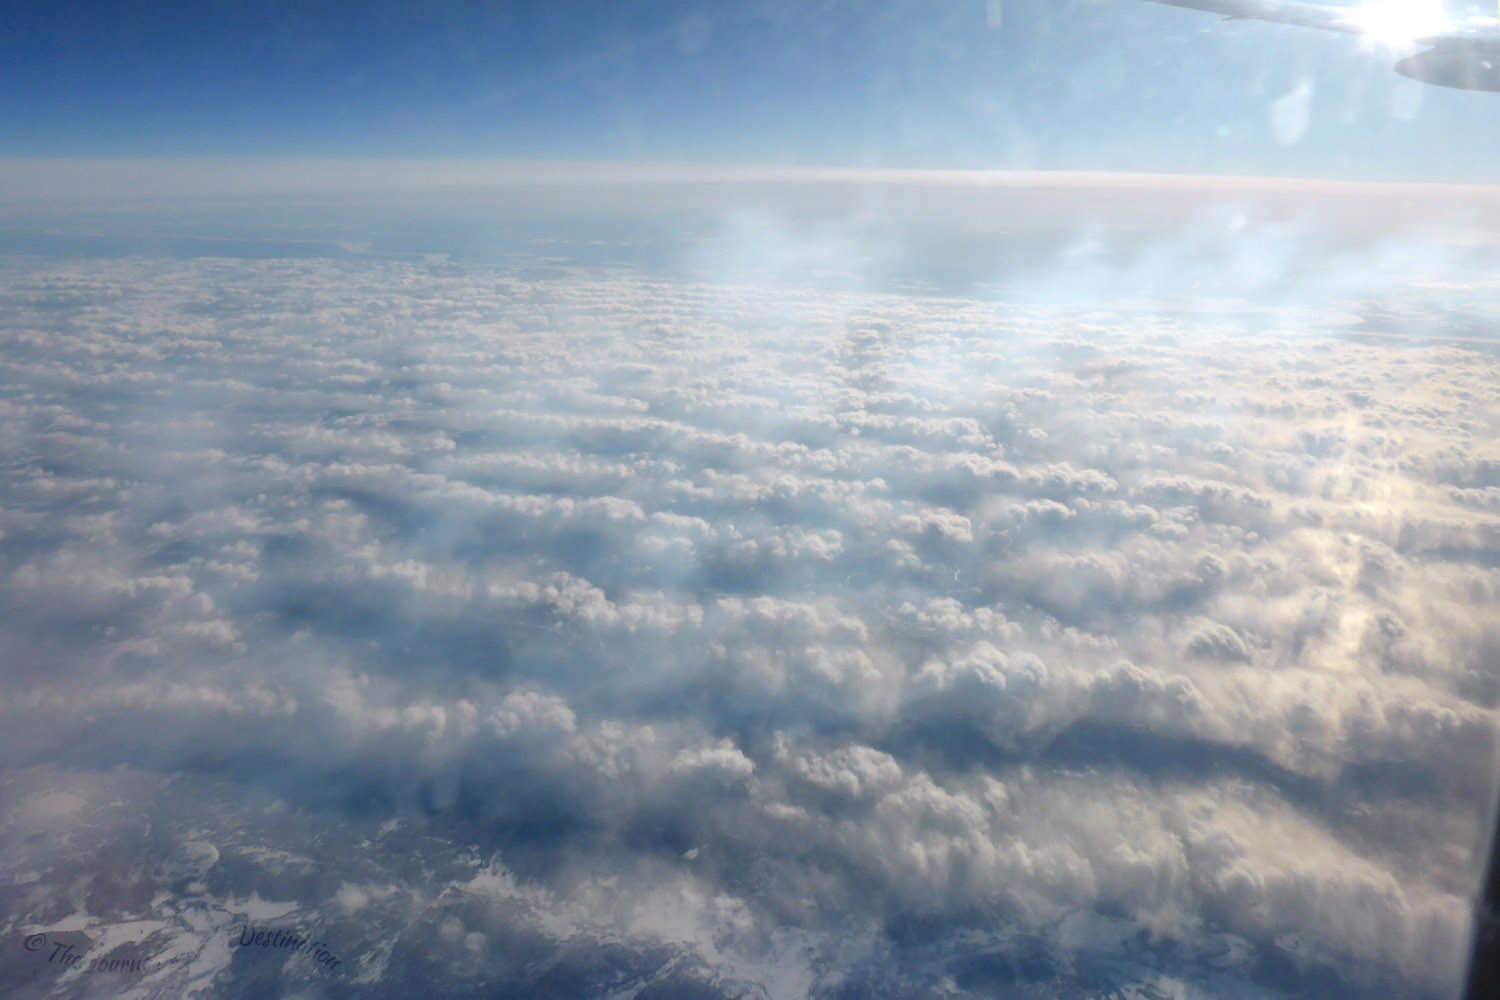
[(610, 635)]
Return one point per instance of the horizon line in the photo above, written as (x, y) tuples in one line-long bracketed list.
[(30, 179)]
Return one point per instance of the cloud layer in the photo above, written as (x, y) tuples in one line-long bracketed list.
[(601, 635)]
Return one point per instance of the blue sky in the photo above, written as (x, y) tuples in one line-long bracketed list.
[(1078, 85)]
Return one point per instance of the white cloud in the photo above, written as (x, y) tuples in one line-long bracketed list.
[(636, 629)]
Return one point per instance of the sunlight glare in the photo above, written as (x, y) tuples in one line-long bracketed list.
[(1400, 22)]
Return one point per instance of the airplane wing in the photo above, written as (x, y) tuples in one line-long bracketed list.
[(1461, 52), (1390, 20), (1308, 15)]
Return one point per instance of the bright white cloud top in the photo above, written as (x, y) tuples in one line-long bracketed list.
[(750, 627)]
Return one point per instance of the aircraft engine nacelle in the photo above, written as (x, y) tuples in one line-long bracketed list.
[(1465, 67)]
